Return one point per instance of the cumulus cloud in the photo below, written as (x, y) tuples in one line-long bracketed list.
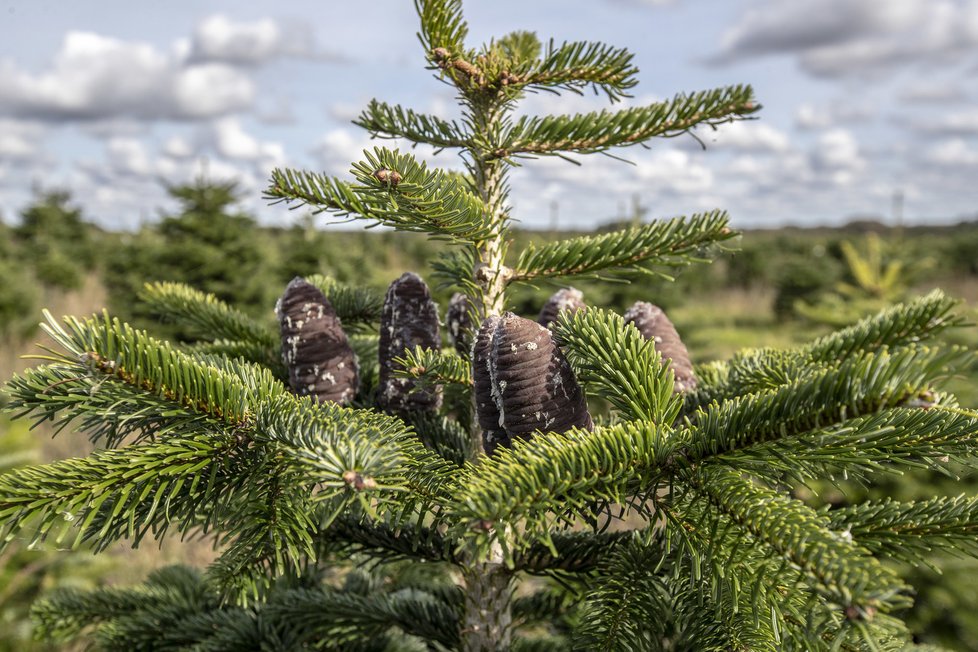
[(837, 153), (19, 140), (955, 152), (233, 142), (220, 39), (924, 91), (956, 123), (94, 77), (178, 148), (750, 136), (840, 38), (811, 116), (338, 148)]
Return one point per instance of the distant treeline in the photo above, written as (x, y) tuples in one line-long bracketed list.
[(210, 244)]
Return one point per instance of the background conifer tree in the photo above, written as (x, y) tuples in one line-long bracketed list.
[(206, 243), (348, 528)]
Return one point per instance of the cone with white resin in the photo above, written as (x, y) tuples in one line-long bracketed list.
[(459, 323), (409, 319), (315, 349), (523, 383), (570, 299), (653, 324)]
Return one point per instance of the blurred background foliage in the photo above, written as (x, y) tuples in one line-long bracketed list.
[(775, 287)]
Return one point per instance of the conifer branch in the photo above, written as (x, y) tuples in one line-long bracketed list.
[(107, 348), (443, 435), (886, 441), (454, 268), (67, 612), (546, 607), (636, 250), (600, 131), (385, 121), (573, 66), (321, 192), (911, 531), (442, 26), (207, 316), (395, 190), (858, 386), (121, 493), (430, 367), (343, 619), (629, 607), (836, 568), (577, 552), (613, 359), (554, 478), (108, 412), (712, 618), (411, 197), (256, 353), (269, 534), (350, 534), (177, 609), (727, 589), (763, 369), (902, 324)]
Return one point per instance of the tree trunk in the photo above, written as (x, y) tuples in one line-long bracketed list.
[(486, 625), (487, 583)]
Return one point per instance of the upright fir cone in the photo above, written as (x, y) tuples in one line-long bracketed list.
[(315, 349), (459, 324), (565, 299), (409, 319), (523, 383), (652, 323)]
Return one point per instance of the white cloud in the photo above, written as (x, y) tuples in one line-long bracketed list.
[(177, 147), (19, 140), (338, 148), (95, 77), (233, 142), (836, 155), (218, 38), (926, 91), (776, 27), (844, 38), (810, 116), (961, 122), (955, 152), (750, 136), (674, 171)]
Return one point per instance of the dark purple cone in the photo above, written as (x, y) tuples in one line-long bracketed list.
[(459, 324), (566, 299), (410, 319), (652, 323), (315, 349), (493, 433), (523, 383)]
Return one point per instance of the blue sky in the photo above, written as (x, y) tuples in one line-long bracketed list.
[(862, 99)]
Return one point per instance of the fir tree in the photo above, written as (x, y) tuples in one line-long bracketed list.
[(343, 527)]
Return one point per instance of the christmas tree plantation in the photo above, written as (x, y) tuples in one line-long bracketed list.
[(372, 488)]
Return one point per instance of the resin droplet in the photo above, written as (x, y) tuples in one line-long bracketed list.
[(566, 299), (315, 349), (459, 323), (409, 319), (523, 383), (652, 323)]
